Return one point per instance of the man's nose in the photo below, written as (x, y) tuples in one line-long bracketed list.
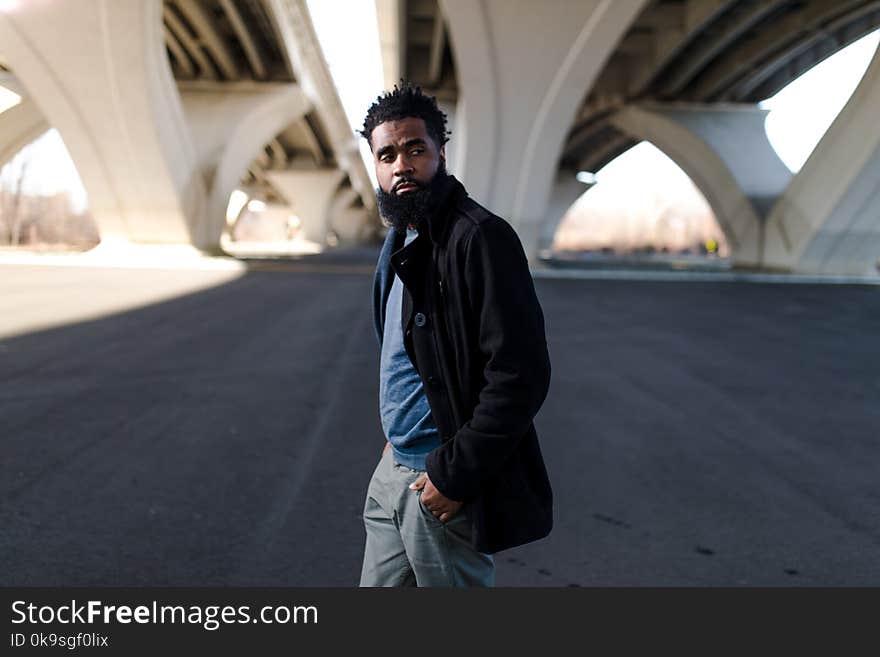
[(402, 166)]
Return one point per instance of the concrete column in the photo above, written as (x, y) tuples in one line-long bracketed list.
[(268, 225), (19, 126), (352, 223), (98, 70), (309, 193), (566, 190), (230, 126), (725, 151), (451, 155), (353, 226), (291, 17), (341, 213), (523, 69), (828, 220)]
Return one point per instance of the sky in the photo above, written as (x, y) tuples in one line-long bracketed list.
[(7, 99), (802, 111), (799, 114)]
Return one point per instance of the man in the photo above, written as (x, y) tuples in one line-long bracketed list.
[(463, 368)]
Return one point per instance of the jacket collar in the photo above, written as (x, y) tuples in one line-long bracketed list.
[(440, 220), (393, 251)]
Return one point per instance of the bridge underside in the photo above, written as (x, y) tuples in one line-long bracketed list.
[(544, 90), (169, 106)]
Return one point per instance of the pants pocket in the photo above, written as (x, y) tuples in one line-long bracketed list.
[(425, 510)]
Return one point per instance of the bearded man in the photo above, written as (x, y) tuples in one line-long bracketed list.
[(464, 368)]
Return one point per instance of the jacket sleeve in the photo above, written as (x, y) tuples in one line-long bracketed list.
[(513, 346)]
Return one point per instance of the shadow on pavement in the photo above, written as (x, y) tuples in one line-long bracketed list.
[(695, 433)]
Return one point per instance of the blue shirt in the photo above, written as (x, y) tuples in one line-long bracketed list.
[(403, 406)]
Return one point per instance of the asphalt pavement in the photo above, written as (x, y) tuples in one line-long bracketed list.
[(696, 433)]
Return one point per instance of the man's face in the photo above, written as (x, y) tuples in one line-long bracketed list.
[(405, 156)]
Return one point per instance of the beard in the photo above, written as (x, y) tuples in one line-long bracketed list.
[(411, 208)]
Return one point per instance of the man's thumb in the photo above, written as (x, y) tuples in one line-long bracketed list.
[(419, 483)]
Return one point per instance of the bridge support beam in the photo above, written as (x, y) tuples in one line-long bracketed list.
[(310, 194), (114, 101), (230, 126), (449, 109), (516, 103), (19, 126), (353, 225), (725, 151), (565, 191), (302, 45), (828, 220), (347, 221)]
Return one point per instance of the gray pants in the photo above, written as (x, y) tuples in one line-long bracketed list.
[(407, 545)]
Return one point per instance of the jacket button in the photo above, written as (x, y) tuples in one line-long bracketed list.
[(420, 319)]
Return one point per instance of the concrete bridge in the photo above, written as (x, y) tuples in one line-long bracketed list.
[(540, 91), (190, 439), (167, 107)]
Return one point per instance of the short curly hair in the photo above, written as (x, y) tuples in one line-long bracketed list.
[(405, 101)]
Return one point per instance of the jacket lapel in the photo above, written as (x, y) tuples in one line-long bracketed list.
[(411, 262), (382, 281), (410, 265)]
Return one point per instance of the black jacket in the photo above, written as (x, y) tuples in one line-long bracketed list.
[(474, 330)]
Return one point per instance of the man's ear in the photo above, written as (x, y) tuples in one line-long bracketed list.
[(443, 153)]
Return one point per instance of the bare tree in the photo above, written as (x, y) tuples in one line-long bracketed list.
[(12, 206)]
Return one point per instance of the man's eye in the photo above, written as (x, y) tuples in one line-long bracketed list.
[(417, 151), (385, 158)]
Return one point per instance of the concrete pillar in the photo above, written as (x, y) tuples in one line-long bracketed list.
[(352, 223), (340, 215), (523, 69), (725, 151), (301, 45), (353, 226), (451, 155), (99, 72), (566, 190), (828, 219), (19, 126), (310, 194), (230, 125), (268, 225)]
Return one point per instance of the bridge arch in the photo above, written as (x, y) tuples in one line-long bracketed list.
[(827, 220), (118, 110), (170, 103), (726, 153), (523, 68)]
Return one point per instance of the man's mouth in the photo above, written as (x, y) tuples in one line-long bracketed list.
[(405, 188)]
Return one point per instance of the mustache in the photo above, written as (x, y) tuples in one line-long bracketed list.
[(406, 181)]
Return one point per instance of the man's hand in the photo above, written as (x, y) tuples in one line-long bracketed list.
[(442, 507)]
